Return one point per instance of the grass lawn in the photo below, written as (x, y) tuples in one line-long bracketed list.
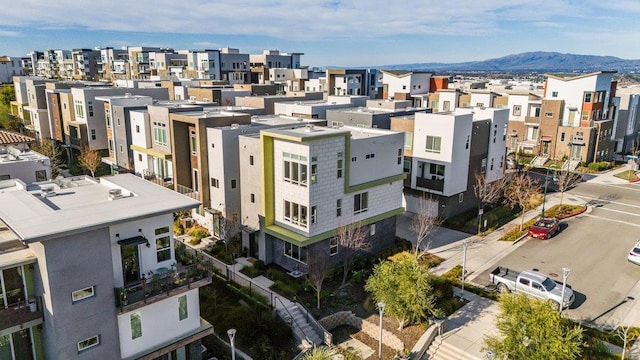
[(626, 175)]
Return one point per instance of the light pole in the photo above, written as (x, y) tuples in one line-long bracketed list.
[(565, 275), (381, 306), (232, 335), (464, 265)]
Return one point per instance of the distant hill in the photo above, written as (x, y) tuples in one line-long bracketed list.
[(538, 61)]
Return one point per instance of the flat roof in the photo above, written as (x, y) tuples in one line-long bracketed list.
[(312, 131), (81, 204)]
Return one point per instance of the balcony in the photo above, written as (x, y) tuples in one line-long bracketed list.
[(532, 120), (21, 313), (160, 285), (187, 191), (431, 184)]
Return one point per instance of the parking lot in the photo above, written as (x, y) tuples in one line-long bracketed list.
[(595, 248)]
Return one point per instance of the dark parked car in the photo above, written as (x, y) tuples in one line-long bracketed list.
[(544, 228)]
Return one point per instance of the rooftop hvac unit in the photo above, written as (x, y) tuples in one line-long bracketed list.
[(115, 194), (47, 191)]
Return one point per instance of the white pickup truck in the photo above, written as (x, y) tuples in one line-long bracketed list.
[(533, 284)]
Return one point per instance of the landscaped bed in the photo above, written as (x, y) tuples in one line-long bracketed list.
[(560, 211)]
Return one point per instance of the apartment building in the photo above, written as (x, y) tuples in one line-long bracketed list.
[(376, 114), (18, 162), (19, 105), (267, 102), (113, 64), (10, 67), (627, 124), (317, 109), (37, 108), (404, 85), (262, 64), (443, 152), (133, 300), (203, 64), (307, 182), (85, 64), (234, 66)]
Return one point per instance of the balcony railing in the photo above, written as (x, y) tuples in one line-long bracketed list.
[(21, 313), (161, 285), (432, 184), (187, 191)]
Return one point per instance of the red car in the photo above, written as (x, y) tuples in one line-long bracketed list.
[(544, 228)]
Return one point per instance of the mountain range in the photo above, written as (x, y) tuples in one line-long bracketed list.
[(537, 61)]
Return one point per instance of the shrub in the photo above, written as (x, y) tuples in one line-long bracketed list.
[(177, 228), (251, 271), (283, 288), (599, 166)]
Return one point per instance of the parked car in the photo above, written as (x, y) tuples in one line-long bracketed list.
[(634, 254), (544, 228), (533, 284)]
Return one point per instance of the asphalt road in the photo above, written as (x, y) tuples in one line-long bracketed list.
[(595, 247)]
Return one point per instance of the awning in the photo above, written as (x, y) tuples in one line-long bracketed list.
[(136, 240), (546, 138)]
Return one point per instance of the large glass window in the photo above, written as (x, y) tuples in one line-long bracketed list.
[(83, 294), (88, 343), (183, 312), (136, 325), (408, 140), (160, 134), (295, 252), (295, 213), (333, 246), (433, 144), (295, 169), (360, 202), (163, 244)]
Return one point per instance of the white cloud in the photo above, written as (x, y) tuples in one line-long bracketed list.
[(207, 44), (299, 19), (9, 33)]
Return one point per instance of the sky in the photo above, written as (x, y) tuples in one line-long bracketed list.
[(330, 33)]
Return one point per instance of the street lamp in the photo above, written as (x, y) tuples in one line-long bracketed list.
[(381, 306), (232, 335), (464, 265), (565, 275)]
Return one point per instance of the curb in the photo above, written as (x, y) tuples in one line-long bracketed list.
[(584, 208)]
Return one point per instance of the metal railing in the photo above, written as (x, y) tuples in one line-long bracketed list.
[(317, 327), (21, 312), (288, 318)]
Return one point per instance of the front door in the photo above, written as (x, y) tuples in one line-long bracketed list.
[(253, 245), (130, 264)]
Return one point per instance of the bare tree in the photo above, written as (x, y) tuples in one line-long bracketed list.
[(519, 191), (486, 192), (350, 240), (626, 334), (318, 266), (90, 160), (50, 149), (425, 222), (565, 180)]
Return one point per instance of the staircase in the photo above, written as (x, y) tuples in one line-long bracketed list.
[(539, 161), (570, 165), (442, 350), (301, 322)]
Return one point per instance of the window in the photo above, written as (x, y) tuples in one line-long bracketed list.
[(83, 294), (136, 325), (314, 173), (354, 159), (436, 169), (360, 202), (399, 160), (446, 105), (193, 142), (333, 246), (460, 198), (233, 183), (554, 94), (480, 104), (295, 213), (163, 244), (253, 198), (93, 134), (404, 87), (139, 157), (295, 169), (88, 343), (408, 140), (121, 149), (339, 175), (517, 110), (314, 214), (587, 97), (338, 207), (295, 252), (215, 183), (41, 175), (466, 146), (433, 144), (160, 134), (483, 166), (562, 136), (183, 312), (250, 159), (548, 114), (491, 168), (79, 106), (372, 230), (137, 128)]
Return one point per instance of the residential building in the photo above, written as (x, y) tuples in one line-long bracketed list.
[(348, 82), (376, 114), (10, 67), (627, 124), (113, 64), (133, 299), (140, 63), (310, 181), (317, 109), (267, 102), (86, 64), (203, 64), (18, 162), (444, 152), (37, 108), (404, 85), (19, 105), (261, 64), (234, 66)]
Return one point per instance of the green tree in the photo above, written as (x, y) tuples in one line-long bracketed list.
[(531, 329), (7, 95), (329, 353), (405, 288)]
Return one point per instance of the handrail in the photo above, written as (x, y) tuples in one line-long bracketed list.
[(314, 323), (277, 299)]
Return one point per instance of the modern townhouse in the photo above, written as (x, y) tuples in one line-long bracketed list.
[(234, 66), (300, 185), (347, 82), (225, 187), (85, 64), (444, 152), (19, 105), (627, 124), (376, 114), (406, 85), (267, 102), (261, 64), (91, 125), (59, 107), (203, 64), (524, 121), (165, 64), (140, 63), (317, 109), (37, 108), (18, 162), (10, 67), (113, 64), (132, 300)]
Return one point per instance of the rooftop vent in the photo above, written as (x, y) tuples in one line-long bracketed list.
[(127, 95), (308, 128), (47, 191), (115, 194), (235, 126)]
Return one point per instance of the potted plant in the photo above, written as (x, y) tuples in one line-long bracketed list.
[(123, 297)]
